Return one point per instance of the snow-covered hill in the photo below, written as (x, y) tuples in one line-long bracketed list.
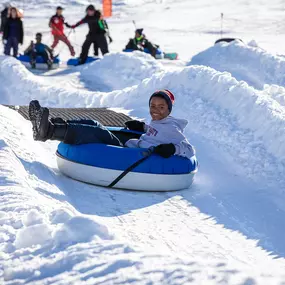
[(226, 229), (249, 63), (58, 231)]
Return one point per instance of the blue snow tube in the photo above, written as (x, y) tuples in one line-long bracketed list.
[(120, 158), (159, 52), (100, 164), (39, 59), (75, 61)]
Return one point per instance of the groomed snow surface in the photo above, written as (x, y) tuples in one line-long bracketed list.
[(228, 228)]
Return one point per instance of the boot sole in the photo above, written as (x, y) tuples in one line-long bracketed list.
[(34, 110), (38, 117)]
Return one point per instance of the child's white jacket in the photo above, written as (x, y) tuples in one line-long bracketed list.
[(168, 130)]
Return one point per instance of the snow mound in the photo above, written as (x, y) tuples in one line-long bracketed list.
[(60, 216), (80, 229), (31, 86), (33, 218), (245, 62), (33, 235), (104, 75), (119, 70)]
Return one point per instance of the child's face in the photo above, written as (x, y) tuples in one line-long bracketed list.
[(158, 108), (59, 12)]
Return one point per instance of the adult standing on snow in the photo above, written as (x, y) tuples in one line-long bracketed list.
[(4, 16), (105, 26), (56, 24), (96, 35), (13, 33)]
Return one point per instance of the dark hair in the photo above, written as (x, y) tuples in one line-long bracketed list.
[(16, 11), (90, 8), (139, 31)]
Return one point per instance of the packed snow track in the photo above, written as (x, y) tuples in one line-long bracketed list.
[(227, 228)]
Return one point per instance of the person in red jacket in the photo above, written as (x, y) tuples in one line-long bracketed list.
[(56, 24)]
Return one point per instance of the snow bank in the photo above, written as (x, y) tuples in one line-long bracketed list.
[(115, 71), (119, 70), (18, 86), (245, 62)]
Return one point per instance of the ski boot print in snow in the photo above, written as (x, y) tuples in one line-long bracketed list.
[(39, 118)]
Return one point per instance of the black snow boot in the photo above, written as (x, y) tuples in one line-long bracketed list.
[(33, 64), (49, 64), (57, 120), (39, 118), (57, 131)]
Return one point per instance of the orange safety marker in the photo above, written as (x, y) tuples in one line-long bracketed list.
[(107, 8)]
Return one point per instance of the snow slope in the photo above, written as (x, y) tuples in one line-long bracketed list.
[(227, 228), (216, 106), (45, 238)]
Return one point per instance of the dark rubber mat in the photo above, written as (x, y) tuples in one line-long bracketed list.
[(104, 116)]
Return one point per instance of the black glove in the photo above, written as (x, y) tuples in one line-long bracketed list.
[(67, 25), (165, 150), (110, 39), (135, 126)]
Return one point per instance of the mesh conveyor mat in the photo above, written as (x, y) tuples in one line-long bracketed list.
[(104, 116)]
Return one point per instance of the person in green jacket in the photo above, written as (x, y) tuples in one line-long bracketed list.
[(140, 42)]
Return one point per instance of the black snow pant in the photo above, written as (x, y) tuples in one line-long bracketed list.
[(98, 40), (147, 44), (132, 45), (88, 131), (11, 43), (151, 47), (96, 49)]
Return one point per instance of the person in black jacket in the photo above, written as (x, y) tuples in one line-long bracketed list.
[(4, 16), (140, 42), (106, 27), (96, 35), (13, 33)]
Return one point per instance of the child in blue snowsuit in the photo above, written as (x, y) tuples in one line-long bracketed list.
[(13, 33), (164, 133), (39, 49)]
